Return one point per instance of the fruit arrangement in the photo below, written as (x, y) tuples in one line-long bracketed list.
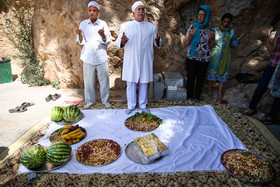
[(35, 156), (58, 153), (57, 113), (71, 134), (70, 114)]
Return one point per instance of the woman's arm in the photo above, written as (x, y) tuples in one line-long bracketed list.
[(271, 46), (189, 35), (211, 36)]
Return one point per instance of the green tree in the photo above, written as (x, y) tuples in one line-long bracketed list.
[(19, 31)]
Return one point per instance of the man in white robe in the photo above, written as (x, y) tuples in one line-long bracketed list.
[(137, 37)]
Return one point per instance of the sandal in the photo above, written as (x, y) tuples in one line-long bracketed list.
[(48, 98), (251, 113), (27, 104), (55, 97), (268, 121), (18, 109)]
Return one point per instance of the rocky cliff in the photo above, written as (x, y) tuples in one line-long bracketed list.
[(55, 21)]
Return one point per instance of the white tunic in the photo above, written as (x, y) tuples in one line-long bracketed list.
[(138, 51), (94, 49)]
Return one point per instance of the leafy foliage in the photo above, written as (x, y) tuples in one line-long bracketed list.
[(19, 32), (147, 116)]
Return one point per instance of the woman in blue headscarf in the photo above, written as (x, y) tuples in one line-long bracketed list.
[(200, 36)]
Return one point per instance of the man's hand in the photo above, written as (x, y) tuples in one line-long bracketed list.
[(102, 33), (79, 32), (124, 40), (157, 39)]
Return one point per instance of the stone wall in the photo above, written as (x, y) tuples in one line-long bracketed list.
[(55, 22)]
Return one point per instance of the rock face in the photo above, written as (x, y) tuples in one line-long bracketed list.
[(55, 22)]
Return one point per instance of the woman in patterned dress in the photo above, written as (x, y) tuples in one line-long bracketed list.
[(219, 66), (198, 39), (273, 47)]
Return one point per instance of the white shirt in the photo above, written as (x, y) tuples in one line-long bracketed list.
[(138, 51), (94, 49)]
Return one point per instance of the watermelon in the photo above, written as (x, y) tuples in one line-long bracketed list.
[(71, 114), (33, 157), (59, 153), (57, 113)]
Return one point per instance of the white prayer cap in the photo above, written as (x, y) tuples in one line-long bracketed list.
[(93, 3), (136, 4)]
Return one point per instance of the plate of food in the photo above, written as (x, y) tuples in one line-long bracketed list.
[(143, 122), (247, 166), (69, 115), (98, 152), (69, 133), (146, 149)]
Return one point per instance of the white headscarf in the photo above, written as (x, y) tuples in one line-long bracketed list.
[(136, 4), (93, 3)]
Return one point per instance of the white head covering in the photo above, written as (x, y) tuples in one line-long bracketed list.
[(93, 3), (136, 4)]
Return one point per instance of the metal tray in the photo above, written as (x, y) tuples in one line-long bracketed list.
[(58, 138), (139, 130), (243, 177), (62, 122), (99, 165), (134, 153)]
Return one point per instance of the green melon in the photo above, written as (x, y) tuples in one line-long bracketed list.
[(59, 153), (57, 113), (71, 114), (33, 157)]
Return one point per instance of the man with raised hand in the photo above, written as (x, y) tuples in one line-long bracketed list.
[(94, 35), (137, 37)]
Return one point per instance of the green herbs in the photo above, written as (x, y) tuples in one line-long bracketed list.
[(147, 116)]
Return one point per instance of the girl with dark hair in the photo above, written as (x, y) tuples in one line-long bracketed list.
[(219, 66), (198, 39)]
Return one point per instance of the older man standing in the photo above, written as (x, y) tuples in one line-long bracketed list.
[(95, 36), (137, 38)]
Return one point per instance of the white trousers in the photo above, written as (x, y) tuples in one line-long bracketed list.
[(89, 80), (132, 96)]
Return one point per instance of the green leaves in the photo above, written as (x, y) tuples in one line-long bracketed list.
[(148, 116), (19, 32)]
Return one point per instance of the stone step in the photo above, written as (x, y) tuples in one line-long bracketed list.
[(173, 79), (176, 95)]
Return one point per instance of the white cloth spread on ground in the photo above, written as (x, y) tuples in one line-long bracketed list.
[(195, 136)]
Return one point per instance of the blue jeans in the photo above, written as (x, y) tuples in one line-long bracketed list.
[(261, 89)]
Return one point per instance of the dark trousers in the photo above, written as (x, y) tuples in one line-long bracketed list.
[(261, 89), (196, 72)]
